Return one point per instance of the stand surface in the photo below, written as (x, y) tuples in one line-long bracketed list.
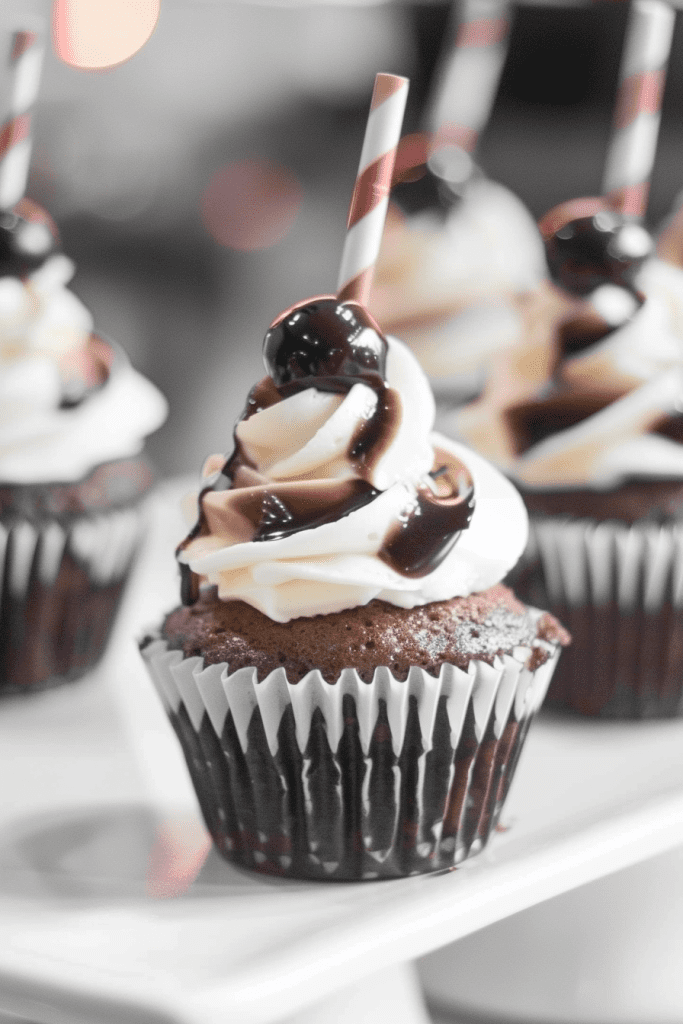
[(113, 906)]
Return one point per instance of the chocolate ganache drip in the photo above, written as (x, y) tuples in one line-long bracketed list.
[(431, 525), (332, 346)]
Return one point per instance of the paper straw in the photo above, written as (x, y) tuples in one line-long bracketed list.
[(632, 147), (468, 80), (371, 192), (25, 62)]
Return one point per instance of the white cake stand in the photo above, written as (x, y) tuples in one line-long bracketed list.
[(605, 953)]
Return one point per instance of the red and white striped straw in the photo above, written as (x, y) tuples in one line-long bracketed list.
[(468, 79), (25, 60), (370, 198), (632, 147)]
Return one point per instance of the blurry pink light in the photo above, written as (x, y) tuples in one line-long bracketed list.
[(177, 857), (251, 204), (92, 34)]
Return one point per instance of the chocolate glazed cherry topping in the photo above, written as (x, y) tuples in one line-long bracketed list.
[(606, 248), (586, 252), (24, 244), (333, 346), (337, 343)]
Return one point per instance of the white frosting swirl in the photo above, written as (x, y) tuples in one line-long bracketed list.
[(39, 315), (330, 567), (627, 384), (43, 328), (489, 243), (446, 285)]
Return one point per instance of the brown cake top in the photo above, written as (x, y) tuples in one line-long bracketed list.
[(456, 631)]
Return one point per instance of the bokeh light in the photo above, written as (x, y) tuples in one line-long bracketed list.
[(177, 857), (92, 34), (251, 204)]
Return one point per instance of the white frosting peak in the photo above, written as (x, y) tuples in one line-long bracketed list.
[(45, 331), (445, 282), (618, 390), (305, 439), (40, 315)]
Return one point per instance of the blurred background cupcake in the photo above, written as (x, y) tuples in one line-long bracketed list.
[(73, 418), (584, 413)]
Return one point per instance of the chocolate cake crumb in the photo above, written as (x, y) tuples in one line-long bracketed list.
[(481, 626), (551, 630)]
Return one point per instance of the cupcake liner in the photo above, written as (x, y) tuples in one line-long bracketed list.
[(353, 780), (619, 591), (60, 586)]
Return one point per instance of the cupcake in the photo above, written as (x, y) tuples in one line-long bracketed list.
[(586, 419), (349, 681), (73, 416), (447, 279)]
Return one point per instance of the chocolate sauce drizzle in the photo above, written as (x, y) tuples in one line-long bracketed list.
[(333, 346), (431, 526)]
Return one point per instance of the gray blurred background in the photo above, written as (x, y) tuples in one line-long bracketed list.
[(203, 185)]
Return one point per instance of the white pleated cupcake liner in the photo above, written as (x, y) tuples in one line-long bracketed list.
[(352, 780), (60, 586), (619, 591)]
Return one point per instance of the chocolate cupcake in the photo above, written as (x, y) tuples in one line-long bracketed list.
[(73, 416), (349, 683), (586, 418)]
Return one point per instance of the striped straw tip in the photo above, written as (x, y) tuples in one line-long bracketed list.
[(24, 61), (370, 198), (386, 85)]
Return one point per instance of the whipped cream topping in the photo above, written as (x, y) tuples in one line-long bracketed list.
[(68, 400), (39, 316), (582, 402), (42, 440), (338, 493), (435, 268)]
